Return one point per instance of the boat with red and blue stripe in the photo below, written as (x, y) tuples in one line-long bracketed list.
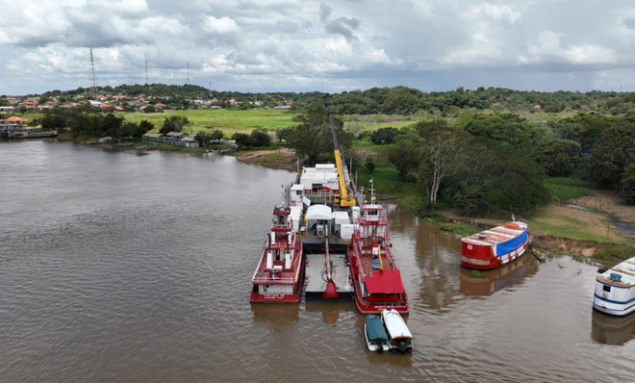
[(495, 247)]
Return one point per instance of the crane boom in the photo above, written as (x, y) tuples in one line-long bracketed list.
[(343, 199)]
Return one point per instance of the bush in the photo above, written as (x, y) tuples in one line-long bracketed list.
[(260, 137)]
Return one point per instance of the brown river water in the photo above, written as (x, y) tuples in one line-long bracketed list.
[(119, 266)]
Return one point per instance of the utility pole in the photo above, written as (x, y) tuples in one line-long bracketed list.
[(93, 76)]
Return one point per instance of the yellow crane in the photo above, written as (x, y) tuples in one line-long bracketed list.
[(343, 198)]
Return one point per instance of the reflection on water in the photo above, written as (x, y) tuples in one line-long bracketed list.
[(613, 330), (127, 266), (499, 278)]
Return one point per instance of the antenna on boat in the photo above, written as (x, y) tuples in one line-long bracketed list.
[(331, 291)]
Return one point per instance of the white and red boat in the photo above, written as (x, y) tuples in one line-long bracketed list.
[(375, 274), (279, 277), (495, 247)]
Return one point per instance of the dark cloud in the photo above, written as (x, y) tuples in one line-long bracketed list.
[(344, 27), (325, 12), (286, 26)]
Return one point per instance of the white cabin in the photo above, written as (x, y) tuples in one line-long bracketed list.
[(615, 289)]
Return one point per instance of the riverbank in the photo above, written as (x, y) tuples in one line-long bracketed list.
[(281, 158), (598, 226)]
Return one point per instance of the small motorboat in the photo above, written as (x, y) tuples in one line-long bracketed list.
[(375, 333), (399, 335), (541, 257)]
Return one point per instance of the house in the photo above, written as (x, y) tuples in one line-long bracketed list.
[(189, 141), (152, 138), (173, 138)]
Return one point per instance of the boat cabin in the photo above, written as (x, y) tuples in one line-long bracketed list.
[(398, 333), (376, 336), (615, 289)]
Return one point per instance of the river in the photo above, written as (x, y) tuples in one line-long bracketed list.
[(120, 266)]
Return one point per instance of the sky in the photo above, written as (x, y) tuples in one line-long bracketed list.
[(327, 46)]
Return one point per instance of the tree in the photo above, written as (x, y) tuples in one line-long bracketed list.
[(313, 137), (260, 137), (612, 153), (406, 153), (384, 136), (217, 135), (443, 155), (173, 124), (242, 139), (557, 157), (149, 109), (204, 137), (627, 184)]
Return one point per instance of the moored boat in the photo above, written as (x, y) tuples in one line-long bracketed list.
[(615, 289), (399, 335), (30, 133), (375, 334), (279, 276), (541, 257), (377, 279), (495, 247)]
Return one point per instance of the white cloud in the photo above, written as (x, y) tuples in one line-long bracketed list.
[(548, 48), (220, 25), (315, 44)]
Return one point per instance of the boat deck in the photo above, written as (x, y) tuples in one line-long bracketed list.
[(315, 279)]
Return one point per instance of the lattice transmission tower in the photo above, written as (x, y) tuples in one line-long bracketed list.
[(92, 80)]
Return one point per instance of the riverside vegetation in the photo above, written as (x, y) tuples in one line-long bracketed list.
[(462, 156)]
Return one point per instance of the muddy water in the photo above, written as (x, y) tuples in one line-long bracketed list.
[(125, 267)]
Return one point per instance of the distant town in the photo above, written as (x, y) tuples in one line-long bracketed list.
[(125, 103)]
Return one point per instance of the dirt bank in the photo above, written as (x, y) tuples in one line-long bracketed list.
[(282, 158)]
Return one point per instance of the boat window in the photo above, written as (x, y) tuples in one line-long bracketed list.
[(607, 288)]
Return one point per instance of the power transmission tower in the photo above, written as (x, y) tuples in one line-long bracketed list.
[(210, 86), (188, 73), (93, 76), (147, 72)]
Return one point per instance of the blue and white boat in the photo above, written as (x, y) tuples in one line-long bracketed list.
[(615, 289)]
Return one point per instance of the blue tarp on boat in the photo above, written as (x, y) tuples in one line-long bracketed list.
[(505, 247), (375, 328)]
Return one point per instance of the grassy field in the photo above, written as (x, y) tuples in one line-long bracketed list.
[(228, 120)]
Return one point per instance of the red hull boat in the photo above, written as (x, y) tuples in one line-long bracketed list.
[(495, 247), (279, 277), (375, 274)]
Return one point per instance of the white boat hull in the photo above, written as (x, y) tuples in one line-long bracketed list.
[(374, 347)]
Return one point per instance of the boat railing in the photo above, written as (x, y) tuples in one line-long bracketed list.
[(282, 226)]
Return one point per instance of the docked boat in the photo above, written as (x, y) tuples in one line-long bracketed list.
[(30, 133), (540, 256), (495, 247), (375, 333), (399, 335), (377, 279), (279, 276), (615, 289)]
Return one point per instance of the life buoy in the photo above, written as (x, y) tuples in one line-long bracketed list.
[(512, 225)]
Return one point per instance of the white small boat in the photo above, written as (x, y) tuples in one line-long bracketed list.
[(399, 335), (375, 333), (615, 289)]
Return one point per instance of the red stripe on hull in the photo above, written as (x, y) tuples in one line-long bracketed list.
[(280, 298), (493, 261)]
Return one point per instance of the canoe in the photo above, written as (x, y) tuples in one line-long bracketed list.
[(538, 255)]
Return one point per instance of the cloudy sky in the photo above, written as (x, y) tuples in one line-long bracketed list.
[(296, 45)]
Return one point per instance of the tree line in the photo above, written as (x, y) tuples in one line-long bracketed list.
[(484, 160)]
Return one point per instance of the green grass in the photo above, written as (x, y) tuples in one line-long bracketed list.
[(567, 189), (614, 252), (227, 120), (386, 182)]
